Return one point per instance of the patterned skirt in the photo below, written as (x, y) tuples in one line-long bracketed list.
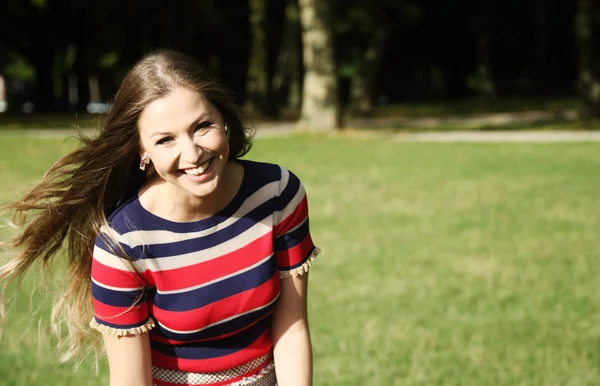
[(231, 377)]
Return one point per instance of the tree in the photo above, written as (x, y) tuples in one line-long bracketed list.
[(286, 84), (366, 24), (258, 83), (589, 71), (320, 108)]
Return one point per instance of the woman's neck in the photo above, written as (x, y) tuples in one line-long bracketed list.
[(176, 204)]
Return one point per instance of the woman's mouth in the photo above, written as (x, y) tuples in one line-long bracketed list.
[(199, 173), (195, 172)]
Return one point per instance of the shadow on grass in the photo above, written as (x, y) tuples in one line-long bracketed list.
[(468, 107), (51, 121)]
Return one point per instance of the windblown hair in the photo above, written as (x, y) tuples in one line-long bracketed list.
[(64, 212)]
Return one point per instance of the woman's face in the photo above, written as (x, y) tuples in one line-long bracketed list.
[(183, 136)]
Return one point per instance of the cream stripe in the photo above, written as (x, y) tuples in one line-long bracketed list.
[(220, 321), (116, 288), (291, 206), (110, 260), (296, 227), (178, 261), (109, 231), (183, 290), (139, 237), (285, 178)]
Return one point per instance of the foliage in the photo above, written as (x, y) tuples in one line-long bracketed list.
[(429, 50)]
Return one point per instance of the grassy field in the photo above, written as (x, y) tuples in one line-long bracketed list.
[(442, 264)]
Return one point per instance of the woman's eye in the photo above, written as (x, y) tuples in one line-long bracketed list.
[(203, 127), (164, 140)]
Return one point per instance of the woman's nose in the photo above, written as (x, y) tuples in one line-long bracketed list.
[(191, 152)]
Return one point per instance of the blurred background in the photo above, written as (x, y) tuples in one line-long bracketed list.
[(452, 176), (375, 57)]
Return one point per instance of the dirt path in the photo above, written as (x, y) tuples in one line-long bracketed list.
[(463, 124)]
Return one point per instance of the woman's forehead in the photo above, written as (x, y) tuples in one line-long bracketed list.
[(175, 111)]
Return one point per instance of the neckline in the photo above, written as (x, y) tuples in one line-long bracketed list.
[(159, 222)]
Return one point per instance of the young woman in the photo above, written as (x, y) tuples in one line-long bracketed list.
[(193, 262)]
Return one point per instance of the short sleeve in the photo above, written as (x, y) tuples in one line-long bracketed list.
[(294, 247), (119, 293)]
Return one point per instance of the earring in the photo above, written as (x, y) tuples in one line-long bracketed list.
[(144, 161), (226, 131)]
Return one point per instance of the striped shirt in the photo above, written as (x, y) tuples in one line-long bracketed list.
[(205, 289)]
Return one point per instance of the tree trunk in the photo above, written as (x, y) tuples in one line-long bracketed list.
[(288, 69), (43, 63), (81, 70), (589, 79), (481, 81), (257, 89), (362, 91), (541, 16), (320, 108)]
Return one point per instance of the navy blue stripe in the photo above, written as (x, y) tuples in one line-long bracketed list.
[(152, 222), (202, 243), (218, 330), (214, 348), (120, 326), (117, 298), (120, 220), (293, 238), (260, 173), (289, 192), (103, 242), (300, 263), (211, 293), (256, 175)]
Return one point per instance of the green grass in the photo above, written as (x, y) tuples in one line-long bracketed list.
[(442, 264)]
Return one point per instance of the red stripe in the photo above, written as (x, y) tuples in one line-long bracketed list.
[(295, 255), (115, 277), (294, 219), (192, 275), (222, 309), (262, 346), (120, 315)]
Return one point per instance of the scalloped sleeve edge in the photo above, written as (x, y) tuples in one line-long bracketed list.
[(118, 332), (301, 270)]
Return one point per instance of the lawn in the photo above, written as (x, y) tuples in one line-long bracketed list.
[(442, 264)]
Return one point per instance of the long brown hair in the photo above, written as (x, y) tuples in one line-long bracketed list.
[(72, 201)]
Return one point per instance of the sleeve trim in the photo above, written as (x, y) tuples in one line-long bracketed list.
[(117, 332), (301, 270)]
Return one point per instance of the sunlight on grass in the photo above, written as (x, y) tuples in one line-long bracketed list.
[(449, 264)]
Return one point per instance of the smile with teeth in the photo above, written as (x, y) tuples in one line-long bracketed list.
[(199, 170)]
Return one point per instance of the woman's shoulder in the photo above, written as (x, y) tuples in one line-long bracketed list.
[(261, 169), (265, 172), (126, 217), (276, 181)]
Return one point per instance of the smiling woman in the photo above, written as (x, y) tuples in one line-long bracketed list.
[(191, 262), (190, 156)]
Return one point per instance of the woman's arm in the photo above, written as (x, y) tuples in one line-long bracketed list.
[(129, 360), (291, 337)]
